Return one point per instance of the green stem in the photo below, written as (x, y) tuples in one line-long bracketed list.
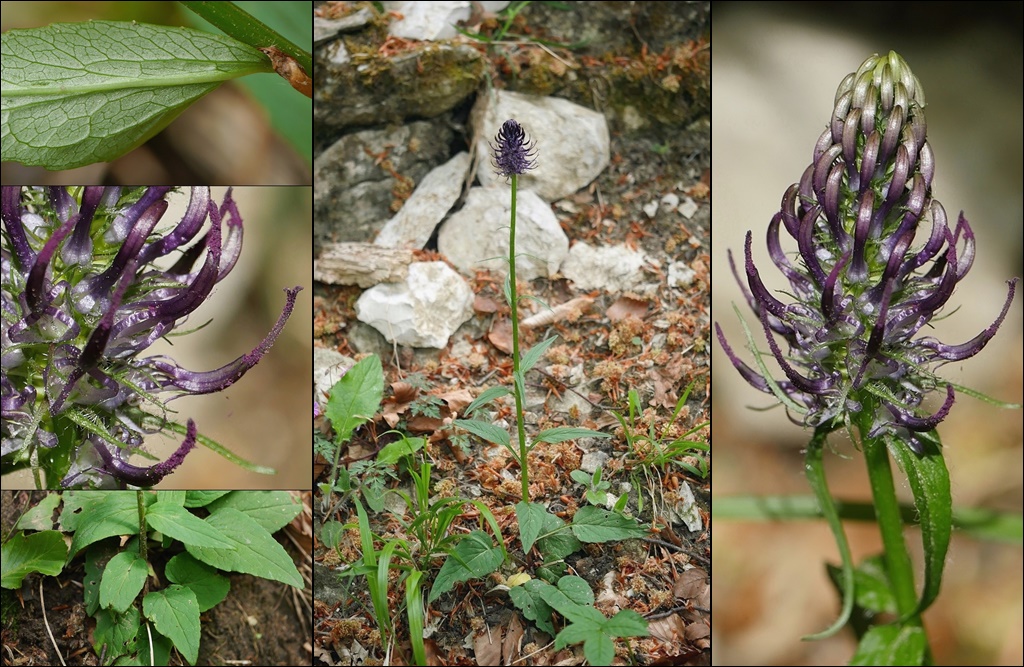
[(517, 380), (815, 468), (240, 24), (142, 524), (890, 522)]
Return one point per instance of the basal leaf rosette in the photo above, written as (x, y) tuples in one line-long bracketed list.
[(876, 260), (93, 276)]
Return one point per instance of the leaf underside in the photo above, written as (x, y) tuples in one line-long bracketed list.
[(79, 93)]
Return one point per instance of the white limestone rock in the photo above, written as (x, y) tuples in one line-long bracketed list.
[(479, 232), (412, 226), (423, 311), (611, 269)]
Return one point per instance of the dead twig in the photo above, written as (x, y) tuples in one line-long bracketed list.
[(42, 604)]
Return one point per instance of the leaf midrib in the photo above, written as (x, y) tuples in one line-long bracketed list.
[(118, 84)]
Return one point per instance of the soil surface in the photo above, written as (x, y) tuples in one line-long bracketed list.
[(261, 622), (655, 341)]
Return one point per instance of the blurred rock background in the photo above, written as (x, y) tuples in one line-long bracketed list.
[(776, 69)]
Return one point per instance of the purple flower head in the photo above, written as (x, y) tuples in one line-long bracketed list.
[(513, 152), (876, 260), (91, 278)]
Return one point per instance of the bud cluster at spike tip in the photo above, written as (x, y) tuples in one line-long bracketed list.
[(513, 152), (876, 261), (83, 298)]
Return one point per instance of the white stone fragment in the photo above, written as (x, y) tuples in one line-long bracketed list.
[(424, 311), (680, 275), (429, 203), (688, 208), (608, 268), (651, 208), (476, 236), (427, 20)]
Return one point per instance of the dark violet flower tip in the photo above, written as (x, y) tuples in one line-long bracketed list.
[(513, 152), (127, 473)]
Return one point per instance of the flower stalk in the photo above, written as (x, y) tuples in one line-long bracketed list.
[(513, 155)]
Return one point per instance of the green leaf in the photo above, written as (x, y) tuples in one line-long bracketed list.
[(572, 599), (96, 560), (40, 552), (892, 645), (929, 482), (175, 614), (534, 354), (576, 633), (527, 598), (356, 397), (392, 452), (79, 93), (593, 524), (171, 497), (177, 522), (626, 623), (122, 580), (161, 649), (556, 541), (256, 552), (531, 522), (487, 431), (202, 498), (563, 433), (79, 504), (581, 476), (331, 533), (271, 509), (209, 586), (414, 611), (478, 556), (116, 514), (118, 631), (40, 517), (485, 397)]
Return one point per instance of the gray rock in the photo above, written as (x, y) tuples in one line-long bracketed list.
[(430, 202), (369, 88), (591, 461), (573, 145), (479, 232), (354, 179), (328, 367), (609, 268), (424, 311)]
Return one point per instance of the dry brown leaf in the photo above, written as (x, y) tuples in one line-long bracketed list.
[(485, 304), (510, 648), (423, 424), (625, 306), (690, 584), (697, 631), (457, 400), (570, 311), (500, 335), (404, 392), (668, 629), (487, 647)]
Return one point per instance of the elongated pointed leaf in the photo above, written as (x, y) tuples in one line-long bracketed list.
[(177, 522), (929, 482), (534, 354), (79, 93), (116, 514), (271, 509), (485, 397), (593, 524), (489, 432), (175, 614), (531, 522), (563, 433), (122, 580), (256, 552)]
